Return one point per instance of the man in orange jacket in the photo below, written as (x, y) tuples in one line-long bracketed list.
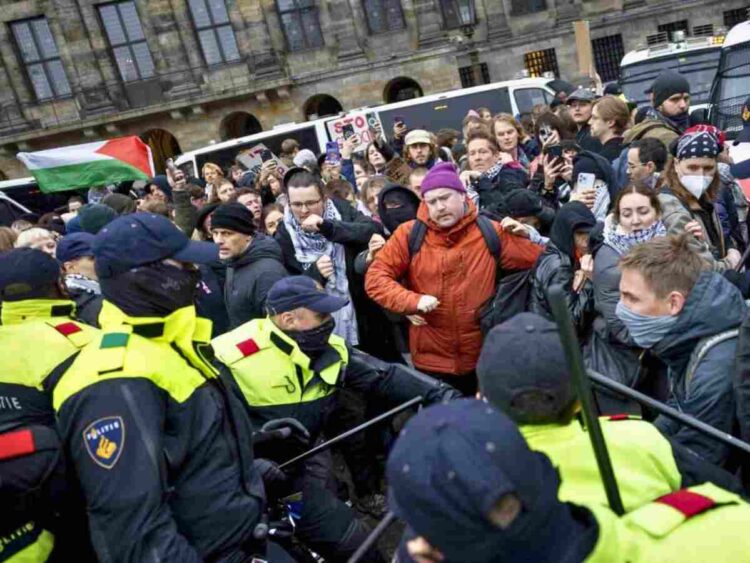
[(447, 281)]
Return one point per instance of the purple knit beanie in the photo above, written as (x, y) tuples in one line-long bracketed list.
[(442, 175)]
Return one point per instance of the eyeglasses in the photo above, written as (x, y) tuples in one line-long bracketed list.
[(306, 204)]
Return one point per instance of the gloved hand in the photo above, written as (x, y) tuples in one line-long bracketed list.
[(274, 478), (287, 428)]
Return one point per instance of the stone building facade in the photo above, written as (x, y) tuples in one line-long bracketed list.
[(184, 73)]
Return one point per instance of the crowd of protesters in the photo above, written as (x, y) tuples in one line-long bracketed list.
[(432, 251)]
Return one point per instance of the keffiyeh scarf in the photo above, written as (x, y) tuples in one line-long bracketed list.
[(308, 248), (622, 243)]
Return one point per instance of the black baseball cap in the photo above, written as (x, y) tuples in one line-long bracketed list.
[(294, 292), (741, 170), (525, 354), (525, 203), (26, 273), (144, 238)]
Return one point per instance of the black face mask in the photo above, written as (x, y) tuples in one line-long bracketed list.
[(395, 216), (156, 290), (314, 341)]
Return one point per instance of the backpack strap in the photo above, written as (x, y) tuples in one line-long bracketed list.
[(490, 235), (487, 228), (702, 348), (416, 237)]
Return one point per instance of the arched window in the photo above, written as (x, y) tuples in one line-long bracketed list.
[(400, 89), (239, 124), (321, 105), (163, 146)]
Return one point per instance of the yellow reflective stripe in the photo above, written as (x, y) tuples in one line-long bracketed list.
[(32, 349), (203, 328), (37, 552), (142, 358), (14, 312)]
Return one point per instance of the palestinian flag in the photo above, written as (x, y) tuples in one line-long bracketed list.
[(91, 164)]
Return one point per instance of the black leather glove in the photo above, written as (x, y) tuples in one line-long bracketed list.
[(286, 429), (274, 479)]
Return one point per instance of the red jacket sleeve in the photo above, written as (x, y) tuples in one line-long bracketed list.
[(517, 253), (390, 265)]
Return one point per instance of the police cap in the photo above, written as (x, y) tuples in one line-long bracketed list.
[(294, 292), (27, 273), (525, 355), (74, 246), (145, 238)]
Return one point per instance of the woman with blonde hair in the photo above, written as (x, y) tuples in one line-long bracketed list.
[(213, 175)]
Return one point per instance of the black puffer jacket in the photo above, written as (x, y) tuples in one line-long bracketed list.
[(557, 265), (611, 351), (249, 277)]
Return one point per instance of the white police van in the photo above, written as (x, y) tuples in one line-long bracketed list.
[(433, 112), (696, 58)]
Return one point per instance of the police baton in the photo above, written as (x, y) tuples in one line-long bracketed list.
[(742, 261), (582, 386), (373, 537), (364, 426), (668, 411)]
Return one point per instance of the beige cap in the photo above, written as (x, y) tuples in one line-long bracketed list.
[(418, 136)]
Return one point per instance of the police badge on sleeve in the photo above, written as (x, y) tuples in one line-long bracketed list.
[(104, 440)]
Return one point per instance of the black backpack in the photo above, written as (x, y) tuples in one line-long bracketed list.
[(512, 287)]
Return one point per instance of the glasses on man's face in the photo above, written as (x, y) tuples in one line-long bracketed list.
[(305, 204)]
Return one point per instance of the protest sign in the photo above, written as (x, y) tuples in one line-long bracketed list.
[(362, 123)]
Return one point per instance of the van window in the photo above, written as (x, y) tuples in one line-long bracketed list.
[(527, 98), (30, 196), (307, 138), (447, 113)]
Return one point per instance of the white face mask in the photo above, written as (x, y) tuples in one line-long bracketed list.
[(696, 185)]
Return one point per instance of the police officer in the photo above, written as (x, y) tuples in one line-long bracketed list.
[(159, 445), (37, 334), (523, 372), (464, 480), (290, 364)]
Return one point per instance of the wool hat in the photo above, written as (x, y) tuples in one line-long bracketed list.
[(306, 159), (233, 217), (592, 163), (442, 175), (94, 216), (667, 84), (121, 203)]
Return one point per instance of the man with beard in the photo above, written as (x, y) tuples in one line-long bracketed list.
[(669, 116)]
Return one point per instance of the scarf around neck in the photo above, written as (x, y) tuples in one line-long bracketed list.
[(308, 248), (622, 242)]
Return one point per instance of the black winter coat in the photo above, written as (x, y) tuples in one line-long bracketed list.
[(556, 266), (611, 351), (209, 303), (250, 277)]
